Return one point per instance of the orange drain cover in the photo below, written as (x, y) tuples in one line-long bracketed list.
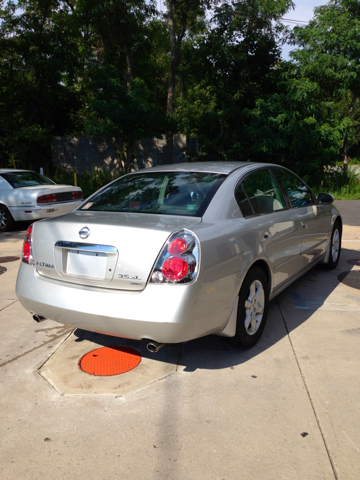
[(107, 361)]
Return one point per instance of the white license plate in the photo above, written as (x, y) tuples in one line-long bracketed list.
[(86, 264)]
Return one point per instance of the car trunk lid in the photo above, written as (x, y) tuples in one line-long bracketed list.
[(103, 249), (29, 195)]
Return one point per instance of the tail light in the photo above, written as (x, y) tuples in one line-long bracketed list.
[(52, 198), (60, 197), (76, 195), (27, 256), (178, 261)]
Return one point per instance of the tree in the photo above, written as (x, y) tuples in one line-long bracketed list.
[(118, 100), (330, 57), (37, 67), (182, 15), (287, 126), (225, 70)]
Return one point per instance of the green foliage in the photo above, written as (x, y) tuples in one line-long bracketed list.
[(343, 184), (289, 127), (226, 69), (115, 67), (89, 182), (37, 62), (330, 57)]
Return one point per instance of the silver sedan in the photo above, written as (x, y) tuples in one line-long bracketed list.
[(177, 252), (27, 196)]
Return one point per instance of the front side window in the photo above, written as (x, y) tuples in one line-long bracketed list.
[(299, 194), (259, 194), (168, 193), (26, 179)]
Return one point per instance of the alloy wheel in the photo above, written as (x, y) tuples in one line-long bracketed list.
[(335, 245), (254, 307)]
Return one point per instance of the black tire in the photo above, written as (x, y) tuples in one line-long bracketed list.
[(335, 247), (252, 309), (7, 221)]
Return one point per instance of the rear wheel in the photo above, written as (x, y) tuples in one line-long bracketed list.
[(6, 220), (252, 309), (335, 247)]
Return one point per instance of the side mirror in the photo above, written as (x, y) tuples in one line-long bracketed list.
[(324, 199)]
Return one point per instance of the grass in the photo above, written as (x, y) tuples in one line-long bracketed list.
[(88, 182), (342, 184)]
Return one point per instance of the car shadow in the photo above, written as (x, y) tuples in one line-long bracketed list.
[(301, 299)]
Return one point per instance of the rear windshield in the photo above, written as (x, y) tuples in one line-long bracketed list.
[(175, 193), (26, 179)]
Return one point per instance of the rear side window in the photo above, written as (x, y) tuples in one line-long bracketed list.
[(259, 194), (300, 195), (26, 179), (168, 193)]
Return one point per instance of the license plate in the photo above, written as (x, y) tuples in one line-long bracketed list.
[(86, 264)]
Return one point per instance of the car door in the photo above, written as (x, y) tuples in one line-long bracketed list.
[(277, 226), (314, 220)]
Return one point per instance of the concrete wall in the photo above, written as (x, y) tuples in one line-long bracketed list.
[(85, 153)]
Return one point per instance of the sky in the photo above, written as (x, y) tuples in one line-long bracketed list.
[(304, 11)]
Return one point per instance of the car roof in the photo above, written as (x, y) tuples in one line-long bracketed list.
[(13, 170), (210, 167)]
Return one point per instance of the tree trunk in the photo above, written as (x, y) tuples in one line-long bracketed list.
[(171, 83), (128, 73), (129, 145), (175, 45), (350, 114), (345, 149)]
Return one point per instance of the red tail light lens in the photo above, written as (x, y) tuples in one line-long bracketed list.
[(27, 250), (28, 233), (62, 197), (177, 246), (175, 268), (42, 199), (178, 261), (48, 198), (76, 195)]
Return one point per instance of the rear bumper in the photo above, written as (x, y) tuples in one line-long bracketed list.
[(26, 213), (163, 313)]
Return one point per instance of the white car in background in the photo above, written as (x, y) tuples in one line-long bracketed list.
[(28, 196)]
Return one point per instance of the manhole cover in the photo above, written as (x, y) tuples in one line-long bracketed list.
[(351, 279), (354, 262), (106, 361), (2, 270), (8, 259)]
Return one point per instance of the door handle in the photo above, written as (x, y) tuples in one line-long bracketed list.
[(303, 225), (266, 236)]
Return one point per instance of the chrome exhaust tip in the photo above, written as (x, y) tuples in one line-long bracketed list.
[(38, 318), (154, 347)]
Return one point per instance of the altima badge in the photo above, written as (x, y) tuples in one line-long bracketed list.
[(129, 277), (84, 232)]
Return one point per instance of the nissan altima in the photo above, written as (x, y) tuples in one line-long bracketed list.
[(177, 252), (27, 195)]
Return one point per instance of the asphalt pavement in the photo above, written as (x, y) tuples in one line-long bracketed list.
[(286, 409)]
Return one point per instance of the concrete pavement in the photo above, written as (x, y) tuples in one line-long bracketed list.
[(287, 409)]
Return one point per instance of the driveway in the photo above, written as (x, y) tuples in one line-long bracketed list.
[(286, 409)]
